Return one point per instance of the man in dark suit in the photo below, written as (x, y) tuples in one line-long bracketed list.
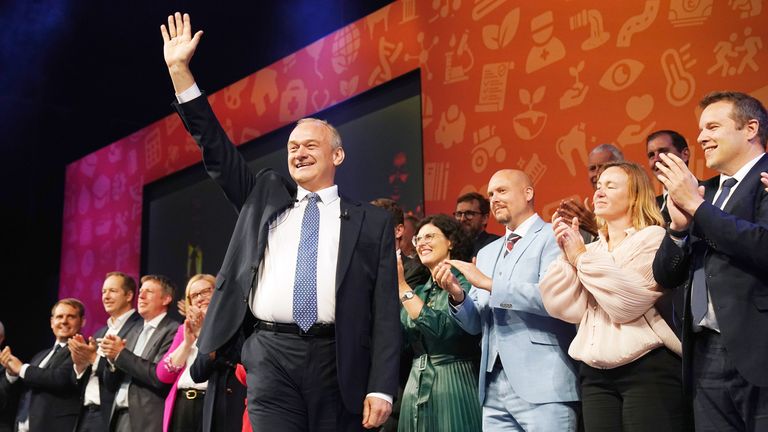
[(50, 399), (130, 375), (658, 143), (717, 239), (316, 270), (96, 399), (473, 210)]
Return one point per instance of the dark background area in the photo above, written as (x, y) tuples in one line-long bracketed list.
[(77, 75)]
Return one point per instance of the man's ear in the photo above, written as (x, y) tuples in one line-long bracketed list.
[(338, 156)]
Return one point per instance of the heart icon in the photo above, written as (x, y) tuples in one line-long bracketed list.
[(638, 107)]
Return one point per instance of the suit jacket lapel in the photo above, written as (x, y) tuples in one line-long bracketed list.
[(352, 215), (741, 198), (525, 241)]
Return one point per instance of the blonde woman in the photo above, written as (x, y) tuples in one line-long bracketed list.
[(630, 369)]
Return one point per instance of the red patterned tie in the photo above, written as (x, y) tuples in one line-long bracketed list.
[(511, 240)]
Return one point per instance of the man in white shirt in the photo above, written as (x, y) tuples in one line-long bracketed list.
[(51, 399), (717, 240), (117, 295)]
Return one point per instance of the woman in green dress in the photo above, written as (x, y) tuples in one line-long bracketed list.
[(441, 393)]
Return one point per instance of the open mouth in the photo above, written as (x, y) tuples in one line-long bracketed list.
[(301, 165)]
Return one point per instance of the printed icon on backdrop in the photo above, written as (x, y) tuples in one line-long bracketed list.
[(680, 82), (529, 124), (724, 51), (232, 93), (423, 55), (683, 13), (388, 53), (381, 16), (426, 110), (593, 19), (314, 50), (293, 101), (349, 87), (264, 90), (409, 11), (534, 167), (573, 144), (746, 8), (320, 99), (436, 180), (493, 87), (248, 134), (450, 129), (485, 7), (638, 23), (638, 109), (497, 36), (547, 48), (750, 47), (459, 60), (575, 95), (487, 146), (288, 62), (621, 74), (345, 48), (153, 151), (444, 8)]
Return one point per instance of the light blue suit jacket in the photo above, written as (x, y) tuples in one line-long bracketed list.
[(516, 327)]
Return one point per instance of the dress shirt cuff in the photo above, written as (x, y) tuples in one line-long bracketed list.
[(189, 94), (79, 375), (23, 370), (11, 379), (383, 396)]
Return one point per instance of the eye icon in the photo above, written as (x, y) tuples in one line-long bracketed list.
[(621, 74)]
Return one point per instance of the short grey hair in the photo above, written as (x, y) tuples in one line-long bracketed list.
[(617, 155), (335, 137)]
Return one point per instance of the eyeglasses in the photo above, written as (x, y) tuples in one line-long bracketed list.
[(200, 294), (426, 238), (468, 215)]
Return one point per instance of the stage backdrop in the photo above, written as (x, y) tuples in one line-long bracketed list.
[(505, 84)]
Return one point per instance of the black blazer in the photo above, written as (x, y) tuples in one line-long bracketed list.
[(106, 396), (9, 403), (367, 305), (224, 400), (54, 395), (734, 242), (146, 395)]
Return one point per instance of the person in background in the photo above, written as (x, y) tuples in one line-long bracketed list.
[(472, 210), (441, 392), (630, 358), (661, 142)]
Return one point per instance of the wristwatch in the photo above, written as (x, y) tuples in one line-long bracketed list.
[(407, 296)]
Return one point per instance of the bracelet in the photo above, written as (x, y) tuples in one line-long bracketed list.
[(170, 367), (677, 234)]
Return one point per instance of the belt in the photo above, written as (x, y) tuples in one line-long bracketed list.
[(192, 394), (317, 330), (92, 407)]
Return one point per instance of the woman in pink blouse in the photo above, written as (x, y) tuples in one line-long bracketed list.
[(630, 368), (184, 404)]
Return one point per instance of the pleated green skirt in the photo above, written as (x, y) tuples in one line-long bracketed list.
[(441, 398)]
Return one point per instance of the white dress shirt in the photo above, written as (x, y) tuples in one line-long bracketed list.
[(121, 398)]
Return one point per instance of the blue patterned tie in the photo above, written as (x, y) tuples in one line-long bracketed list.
[(305, 285), (699, 297)]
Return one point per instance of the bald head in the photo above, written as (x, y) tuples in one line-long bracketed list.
[(511, 195)]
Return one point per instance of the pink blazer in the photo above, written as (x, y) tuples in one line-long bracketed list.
[(168, 377)]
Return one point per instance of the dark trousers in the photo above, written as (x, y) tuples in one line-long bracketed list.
[(292, 384), (722, 399), (91, 419), (187, 413), (645, 395)]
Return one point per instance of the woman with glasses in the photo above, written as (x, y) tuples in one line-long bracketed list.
[(630, 358), (184, 405), (441, 392)]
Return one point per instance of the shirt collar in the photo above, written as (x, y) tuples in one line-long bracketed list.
[(117, 323), (327, 195), (156, 320), (523, 228), (742, 172)]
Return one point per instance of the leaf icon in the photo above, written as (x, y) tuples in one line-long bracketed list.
[(509, 26), (491, 36), (525, 97), (538, 95)]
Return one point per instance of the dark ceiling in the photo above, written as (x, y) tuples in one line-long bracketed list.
[(76, 75)]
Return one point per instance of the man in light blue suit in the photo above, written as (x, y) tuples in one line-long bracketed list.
[(527, 380)]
